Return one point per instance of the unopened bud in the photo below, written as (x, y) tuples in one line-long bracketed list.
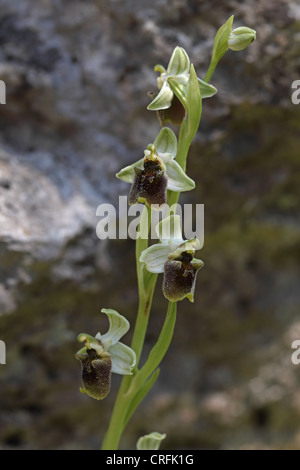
[(240, 38)]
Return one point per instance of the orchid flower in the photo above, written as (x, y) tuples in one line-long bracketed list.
[(175, 258), (104, 354)]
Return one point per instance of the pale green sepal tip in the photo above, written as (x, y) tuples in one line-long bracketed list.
[(159, 68), (150, 441), (166, 142), (84, 336), (118, 327), (179, 62)]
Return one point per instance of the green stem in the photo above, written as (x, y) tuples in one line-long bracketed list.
[(210, 71), (128, 398), (115, 428), (146, 285)]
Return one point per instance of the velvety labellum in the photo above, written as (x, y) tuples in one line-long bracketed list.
[(96, 374), (149, 185), (180, 278)]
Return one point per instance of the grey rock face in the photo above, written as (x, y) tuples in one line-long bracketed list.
[(77, 76)]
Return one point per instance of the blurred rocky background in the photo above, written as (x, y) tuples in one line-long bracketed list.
[(77, 75)]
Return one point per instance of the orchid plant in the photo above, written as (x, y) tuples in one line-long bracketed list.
[(156, 179)]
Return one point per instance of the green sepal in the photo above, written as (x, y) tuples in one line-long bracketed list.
[(127, 173), (179, 63), (166, 142), (163, 100), (206, 89)]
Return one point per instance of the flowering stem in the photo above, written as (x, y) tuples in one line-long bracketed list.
[(134, 387)]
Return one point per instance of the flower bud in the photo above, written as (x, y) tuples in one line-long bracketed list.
[(240, 38), (150, 184), (180, 277), (150, 441), (96, 373)]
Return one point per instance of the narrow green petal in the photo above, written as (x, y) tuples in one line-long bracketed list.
[(159, 68), (197, 263), (127, 173), (189, 245), (155, 257), (163, 100), (118, 326), (123, 359), (179, 62), (150, 441), (90, 343), (177, 179), (206, 89), (166, 142)]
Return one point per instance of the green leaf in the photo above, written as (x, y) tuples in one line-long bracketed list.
[(206, 89), (179, 63), (150, 441), (139, 396), (166, 142), (127, 173), (194, 104), (160, 348), (221, 40)]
